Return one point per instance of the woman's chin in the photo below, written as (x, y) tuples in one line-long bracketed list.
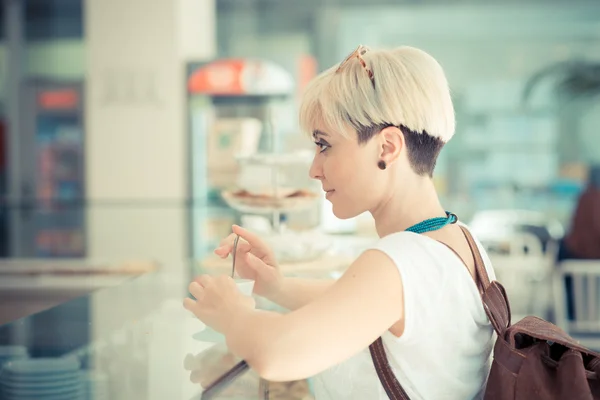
[(340, 213)]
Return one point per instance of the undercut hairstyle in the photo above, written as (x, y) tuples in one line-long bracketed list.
[(403, 87)]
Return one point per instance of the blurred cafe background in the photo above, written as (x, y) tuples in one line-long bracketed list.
[(134, 133)]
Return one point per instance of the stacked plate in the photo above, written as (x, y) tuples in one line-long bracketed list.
[(9, 353), (43, 379)]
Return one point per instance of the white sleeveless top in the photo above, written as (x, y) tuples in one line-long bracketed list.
[(445, 350)]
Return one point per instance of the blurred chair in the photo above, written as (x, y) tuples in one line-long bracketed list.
[(584, 325), (525, 270), (504, 223)]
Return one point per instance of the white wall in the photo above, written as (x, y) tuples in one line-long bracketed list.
[(136, 159)]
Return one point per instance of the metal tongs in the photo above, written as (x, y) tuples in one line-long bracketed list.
[(235, 244)]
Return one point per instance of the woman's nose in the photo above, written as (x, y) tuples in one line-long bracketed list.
[(316, 169)]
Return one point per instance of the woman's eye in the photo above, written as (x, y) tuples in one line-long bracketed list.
[(322, 146)]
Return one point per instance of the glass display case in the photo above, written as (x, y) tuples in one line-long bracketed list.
[(131, 341), (241, 172), (50, 221)]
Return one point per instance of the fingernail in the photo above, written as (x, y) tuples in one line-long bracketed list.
[(188, 303)]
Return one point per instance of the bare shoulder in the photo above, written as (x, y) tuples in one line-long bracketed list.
[(375, 274), (373, 262)]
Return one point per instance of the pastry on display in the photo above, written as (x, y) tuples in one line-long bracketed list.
[(295, 390), (209, 365), (283, 199)]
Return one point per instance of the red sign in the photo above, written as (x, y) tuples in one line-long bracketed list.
[(241, 77), (60, 99), (219, 77)]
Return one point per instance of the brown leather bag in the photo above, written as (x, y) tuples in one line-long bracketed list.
[(533, 359)]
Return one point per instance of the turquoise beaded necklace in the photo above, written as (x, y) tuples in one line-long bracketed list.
[(433, 224)]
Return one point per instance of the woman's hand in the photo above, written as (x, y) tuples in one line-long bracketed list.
[(254, 260), (218, 301)]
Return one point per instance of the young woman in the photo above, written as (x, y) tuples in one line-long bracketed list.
[(379, 120)]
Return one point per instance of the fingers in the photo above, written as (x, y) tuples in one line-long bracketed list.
[(203, 280), (228, 240), (189, 304), (225, 246), (196, 289), (249, 241), (225, 250), (254, 262), (253, 239)]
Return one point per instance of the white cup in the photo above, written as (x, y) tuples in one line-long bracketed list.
[(246, 286)]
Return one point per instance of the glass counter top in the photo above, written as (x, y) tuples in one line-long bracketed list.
[(131, 341)]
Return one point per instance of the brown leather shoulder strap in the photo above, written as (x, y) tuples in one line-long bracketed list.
[(477, 281), (493, 294), (386, 376), (483, 279)]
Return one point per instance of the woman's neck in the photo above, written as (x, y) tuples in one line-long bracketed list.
[(406, 206)]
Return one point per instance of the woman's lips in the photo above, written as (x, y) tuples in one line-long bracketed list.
[(328, 193)]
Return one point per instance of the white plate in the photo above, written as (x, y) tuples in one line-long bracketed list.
[(39, 385), (74, 396), (5, 359), (64, 391), (41, 366), (12, 351), (8, 378)]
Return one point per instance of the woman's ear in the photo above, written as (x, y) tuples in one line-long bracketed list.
[(391, 142)]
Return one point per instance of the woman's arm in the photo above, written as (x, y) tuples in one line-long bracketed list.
[(294, 293), (365, 302), (255, 260)]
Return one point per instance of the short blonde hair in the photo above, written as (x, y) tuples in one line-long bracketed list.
[(409, 89)]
